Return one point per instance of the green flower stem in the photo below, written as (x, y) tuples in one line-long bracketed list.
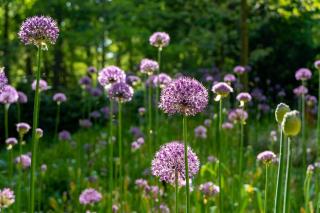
[(121, 180), (277, 203), (303, 130), (266, 191), (150, 118), (318, 120), (110, 154), (219, 153), (19, 112), (240, 163), (57, 122), (176, 191), (6, 109), (185, 138), (18, 206), (307, 191), (157, 100), (34, 141), (287, 179)]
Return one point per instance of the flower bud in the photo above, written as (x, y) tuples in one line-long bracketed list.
[(281, 110), (291, 124), (39, 133)]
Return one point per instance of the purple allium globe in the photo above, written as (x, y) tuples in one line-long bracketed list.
[(121, 92), (159, 39), (7, 198), (39, 133), (161, 80), (244, 98), (44, 168), (239, 70), (209, 189), (10, 142), (39, 31), (23, 128), (43, 85), (227, 125), (169, 160), (266, 157), (85, 123), (59, 97), (3, 79), (24, 161), (148, 66), (90, 196), (229, 78), (9, 95), (301, 90), (311, 100), (64, 135), (141, 183), (133, 80), (142, 111), (184, 96), (303, 74), (22, 98), (200, 132), (91, 70), (95, 114), (317, 64), (111, 75), (221, 90), (85, 81), (238, 116)]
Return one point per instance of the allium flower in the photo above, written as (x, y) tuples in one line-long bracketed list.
[(273, 135), (135, 146), (200, 132), (301, 90), (221, 90), (163, 208), (10, 142), (111, 75), (281, 110), (311, 100), (227, 125), (22, 98), (161, 80), (23, 128), (64, 135), (239, 69), (184, 96), (24, 161), (141, 183), (142, 111), (90, 196), (159, 39), (140, 141), (95, 114), (39, 133), (96, 92), (291, 124), (238, 115), (243, 98), (43, 168), (209, 189), (133, 80), (39, 31), (212, 159), (91, 70), (7, 198), (9, 95), (317, 64), (43, 85), (229, 78), (169, 160), (151, 81), (3, 79), (85, 123), (85, 81), (121, 92), (59, 98), (266, 157), (154, 192), (148, 66), (136, 132), (115, 208), (303, 74), (207, 122), (310, 169), (105, 112)]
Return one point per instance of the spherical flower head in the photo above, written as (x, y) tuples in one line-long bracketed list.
[(311, 100), (159, 39), (141, 183), (221, 90), (163, 208), (115, 208), (317, 64), (121, 92), (10, 142), (281, 110), (303, 74), (140, 141), (148, 66), (239, 70), (7, 198), (310, 169), (133, 80), (90, 196), (229, 78), (184, 96), (111, 75), (85, 81), (91, 70), (43, 85), (135, 146), (39, 133), (266, 157), (23, 128), (207, 122), (59, 97), (96, 92), (209, 189), (200, 132), (85, 123), (227, 125), (142, 111), (43, 168), (169, 161), (291, 124), (161, 80), (39, 31), (64, 135), (243, 98), (9, 95), (24, 161), (95, 114), (301, 90), (3, 79), (238, 116), (22, 98)]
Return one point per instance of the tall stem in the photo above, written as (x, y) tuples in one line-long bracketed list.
[(176, 190), (157, 100), (219, 154), (266, 191), (303, 130), (10, 152), (307, 191), (19, 176), (287, 180), (110, 154), (34, 141), (185, 139), (318, 120), (150, 118), (120, 150), (6, 109), (277, 200), (57, 122), (240, 163), (19, 112)]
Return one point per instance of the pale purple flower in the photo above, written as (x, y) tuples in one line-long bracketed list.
[(90, 196), (39, 31), (142, 111), (207, 122), (59, 97), (303, 74), (105, 112), (10, 142), (85, 81), (243, 98), (7, 198), (121, 92), (227, 125), (95, 115), (301, 90), (115, 208), (111, 75), (169, 161), (221, 90), (266, 157), (135, 146), (229, 78), (151, 81), (96, 92), (23, 128), (136, 132), (43, 85), (200, 132), (153, 192), (24, 161), (317, 64), (64, 135), (9, 95), (85, 123), (239, 69), (263, 107), (273, 135), (159, 39), (161, 80), (311, 100), (212, 159), (133, 80), (310, 169), (209, 189), (91, 70), (22, 98), (185, 96), (238, 115), (163, 208), (39, 133), (3, 79), (141, 183), (140, 141), (148, 66), (43, 168)]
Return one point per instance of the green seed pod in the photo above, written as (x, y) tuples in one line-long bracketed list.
[(281, 110), (291, 124)]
